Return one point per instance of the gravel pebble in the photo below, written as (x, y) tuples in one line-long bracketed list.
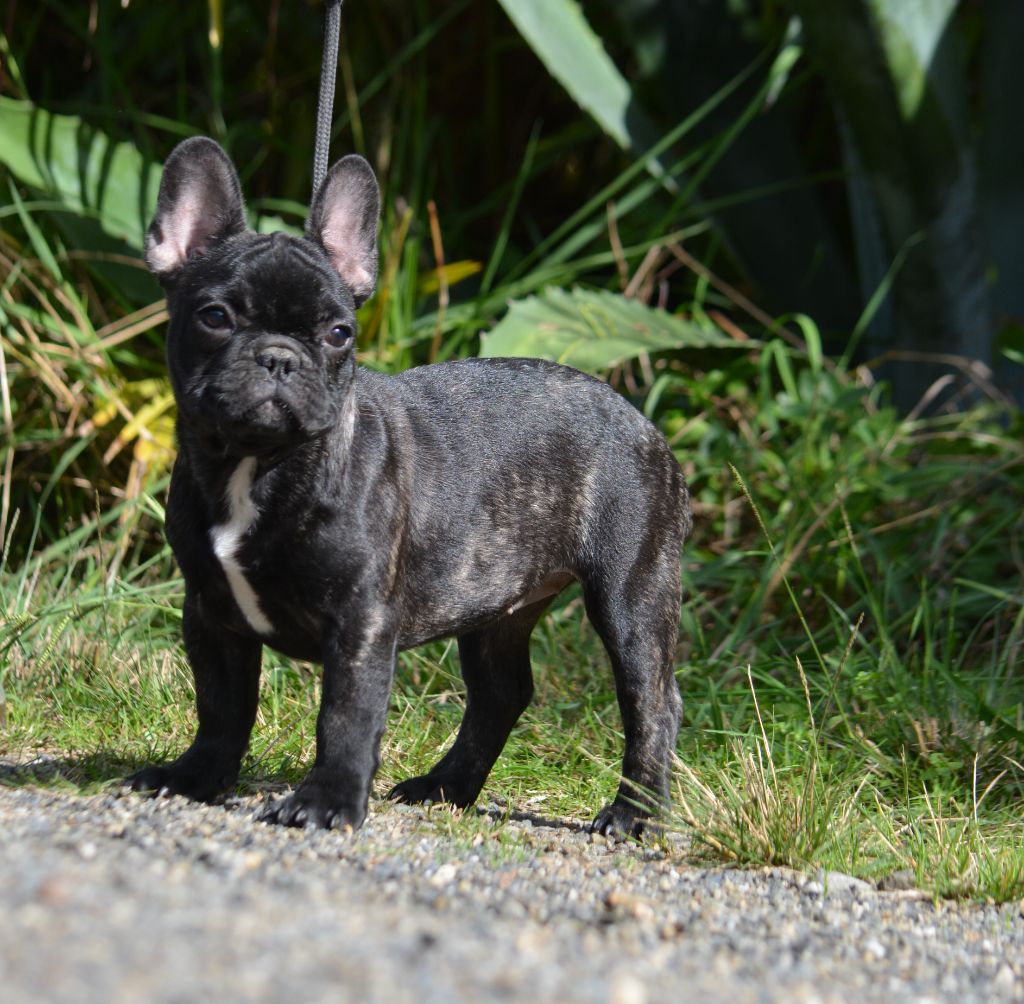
[(119, 898)]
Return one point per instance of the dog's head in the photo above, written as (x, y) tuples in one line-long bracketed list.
[(261, 343)]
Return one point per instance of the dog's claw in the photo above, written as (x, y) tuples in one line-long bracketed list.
[(311, 808), (619, 821), (430, 789), (202, 781)]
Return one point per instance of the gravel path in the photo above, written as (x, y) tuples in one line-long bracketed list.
[(117, 898)]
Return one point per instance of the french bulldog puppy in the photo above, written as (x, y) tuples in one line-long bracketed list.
[(341, 516)]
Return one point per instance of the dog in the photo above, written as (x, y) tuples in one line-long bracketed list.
[(340, 515)]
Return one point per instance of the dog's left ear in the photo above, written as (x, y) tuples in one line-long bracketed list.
[(343, 221)]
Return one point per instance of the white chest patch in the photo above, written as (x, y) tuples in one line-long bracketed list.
[(225, 538)]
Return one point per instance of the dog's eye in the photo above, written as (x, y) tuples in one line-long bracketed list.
[(215, 317), (338, 335)]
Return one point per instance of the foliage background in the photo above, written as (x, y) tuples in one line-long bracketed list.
[(790, 232)]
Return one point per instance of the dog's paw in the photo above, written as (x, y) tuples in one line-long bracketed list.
[(434, 788), (314, 807), (198, 782), (620, 821)]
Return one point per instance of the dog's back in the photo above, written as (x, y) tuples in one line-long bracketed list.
[(522, 475)]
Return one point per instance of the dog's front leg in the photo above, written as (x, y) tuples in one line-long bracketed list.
[(353, 708), (226, 669)]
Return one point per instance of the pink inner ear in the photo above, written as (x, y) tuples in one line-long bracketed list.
[(347, 263), (181, 233)]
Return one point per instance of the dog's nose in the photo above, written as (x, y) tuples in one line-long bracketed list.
[(279, 360)]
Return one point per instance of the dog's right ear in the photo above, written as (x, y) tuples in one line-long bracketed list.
[(199, 205)]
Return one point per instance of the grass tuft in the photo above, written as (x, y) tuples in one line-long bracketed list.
[(760, 804)]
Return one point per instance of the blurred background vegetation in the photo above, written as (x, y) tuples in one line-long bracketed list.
[(789, 230), (851, 161)]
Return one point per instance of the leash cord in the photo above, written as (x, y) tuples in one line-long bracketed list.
[(325, 102)]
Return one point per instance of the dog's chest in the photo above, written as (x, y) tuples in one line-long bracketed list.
[(226, 539)]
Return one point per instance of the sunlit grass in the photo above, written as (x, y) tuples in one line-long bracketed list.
[(777, 767)]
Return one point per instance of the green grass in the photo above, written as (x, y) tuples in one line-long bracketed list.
[(849, 655), (850, 705), (850, 651)]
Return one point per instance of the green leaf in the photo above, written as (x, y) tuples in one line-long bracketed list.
[(559, 34), (1010, 341), (593, 330), (897, 74), (81, 167)]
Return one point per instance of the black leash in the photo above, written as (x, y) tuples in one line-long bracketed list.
[(325, 103)]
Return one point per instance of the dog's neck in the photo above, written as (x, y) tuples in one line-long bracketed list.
[(212, 460)]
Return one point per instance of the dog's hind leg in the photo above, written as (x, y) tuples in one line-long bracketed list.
[(637, 617), (495, 664)]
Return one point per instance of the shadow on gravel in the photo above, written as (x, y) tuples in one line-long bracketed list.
[(86, 771), (89, 772), (102, 770), (503, 813)]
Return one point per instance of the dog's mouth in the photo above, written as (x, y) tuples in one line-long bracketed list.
[(263, 426), (258, 420), (271, 413)]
